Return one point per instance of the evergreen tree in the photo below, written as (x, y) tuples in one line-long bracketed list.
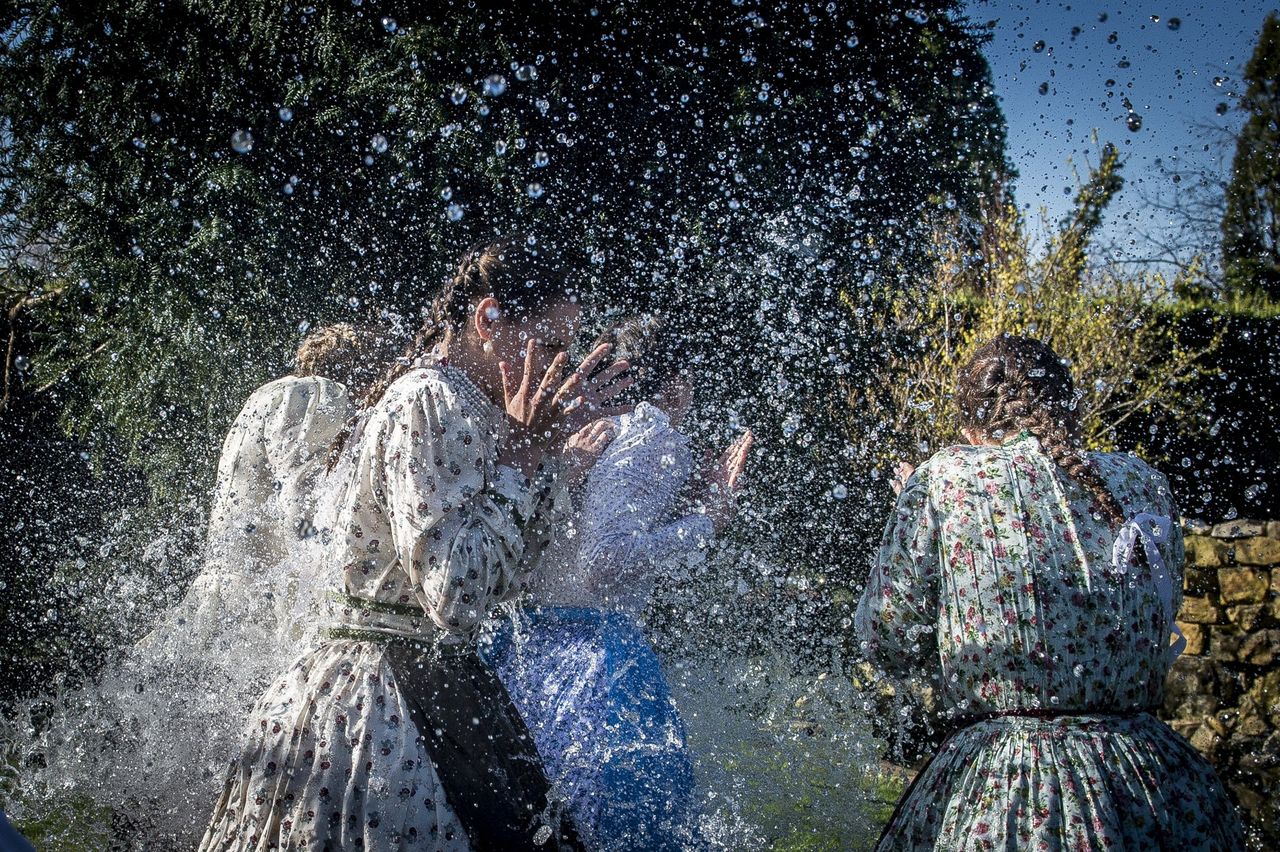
[(1251, 224)]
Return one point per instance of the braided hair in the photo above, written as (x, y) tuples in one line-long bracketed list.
[(515, 270), (1014, 383)]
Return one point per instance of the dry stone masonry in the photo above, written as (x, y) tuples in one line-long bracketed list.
[(1223, 693)]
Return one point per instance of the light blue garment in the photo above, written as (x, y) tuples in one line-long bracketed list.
[(592, 692)]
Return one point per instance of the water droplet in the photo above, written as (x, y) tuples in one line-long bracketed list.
[(242, 141), (1155, 19), (458, 95), (1219, 81), (1038, 47), (1133, 121), (378, 143), (840, 492), (500, 147), (525, 73), (495, 85), (389, 24), (534, 190), (453, 212), (21, 363), (851, 41), (285, 114), (1221, 108), (1044, 88), (1113, 38), (540, 159), (1175, 24), (304, 327), (446, 193)]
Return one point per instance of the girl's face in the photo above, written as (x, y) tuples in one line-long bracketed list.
[(675, 398), (552, 330)]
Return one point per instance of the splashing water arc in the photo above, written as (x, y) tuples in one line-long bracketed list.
[(832, 203)]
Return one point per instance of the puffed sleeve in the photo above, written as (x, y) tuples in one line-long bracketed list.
[(898, 614), (1173, 549), (460, 533), (302, 422), (244, 478), (627, 522)]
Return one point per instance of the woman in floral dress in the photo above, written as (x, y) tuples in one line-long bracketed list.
[(1036, 585), (392, 734)]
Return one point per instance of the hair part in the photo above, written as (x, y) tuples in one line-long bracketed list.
[(1014, 383)]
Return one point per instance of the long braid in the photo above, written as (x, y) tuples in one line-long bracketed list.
[(1062, 444), (1015, 383)]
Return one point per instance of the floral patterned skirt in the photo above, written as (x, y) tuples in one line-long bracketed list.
[(1067, 783), (356, 745)]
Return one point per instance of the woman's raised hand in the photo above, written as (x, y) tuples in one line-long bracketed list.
[(586, 445), (584, 397), (529, 404), (725, 480), (544, 406)]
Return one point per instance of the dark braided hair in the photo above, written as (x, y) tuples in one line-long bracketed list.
[(515, 270), (1014, 383)]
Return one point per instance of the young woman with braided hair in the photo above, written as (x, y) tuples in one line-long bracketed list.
[(1036, 584), (392, 733)]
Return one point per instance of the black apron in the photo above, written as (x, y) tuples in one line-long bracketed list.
[(481, 750)]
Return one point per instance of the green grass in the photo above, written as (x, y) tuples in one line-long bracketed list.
[(77, 825), (809, 796)]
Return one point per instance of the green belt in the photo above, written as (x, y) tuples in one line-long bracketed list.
[(370, 605), (363, 634)]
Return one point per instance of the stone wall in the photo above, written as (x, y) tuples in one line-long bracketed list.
[(1223, 693)]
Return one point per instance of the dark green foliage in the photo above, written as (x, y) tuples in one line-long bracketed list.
[(1251, 224), (739, 161)]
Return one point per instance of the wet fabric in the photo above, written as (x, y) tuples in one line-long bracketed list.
[(995, 579), (428, 533), (629, 530), (592, 691), (484, 757)]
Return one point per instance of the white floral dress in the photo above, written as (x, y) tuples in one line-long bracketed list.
[(429, 532), (994, 578)]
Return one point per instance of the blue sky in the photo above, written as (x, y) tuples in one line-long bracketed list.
[(1167, 73)]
